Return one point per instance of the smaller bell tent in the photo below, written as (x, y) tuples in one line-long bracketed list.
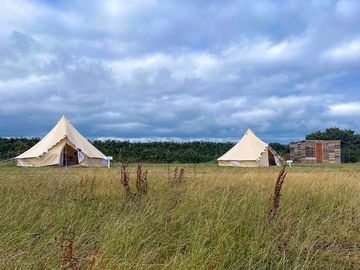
[(62, 146), (250, 151)]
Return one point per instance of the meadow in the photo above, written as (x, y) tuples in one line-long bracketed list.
[(216, 218)]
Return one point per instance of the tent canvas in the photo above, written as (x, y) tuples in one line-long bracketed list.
[(250, 151), (63, 146)]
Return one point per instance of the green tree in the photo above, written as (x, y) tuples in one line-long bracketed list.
[(282, 149), (346, 135)]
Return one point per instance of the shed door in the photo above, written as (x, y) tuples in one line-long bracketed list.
[(319, 153)]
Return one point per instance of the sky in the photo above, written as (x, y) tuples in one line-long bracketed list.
[(179, 70)]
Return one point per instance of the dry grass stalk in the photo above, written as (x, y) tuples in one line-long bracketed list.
[(275, 198), (179, 176), (93, 260), (68, 259), (124, 179), (177, 181), (141, 180), (67, 255)]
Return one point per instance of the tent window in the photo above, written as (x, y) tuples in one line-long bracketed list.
[(70, 156), (272, 161)]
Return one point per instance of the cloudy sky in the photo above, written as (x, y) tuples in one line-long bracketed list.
[(205, 69)]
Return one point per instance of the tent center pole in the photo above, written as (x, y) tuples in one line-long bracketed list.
[(65, 157)]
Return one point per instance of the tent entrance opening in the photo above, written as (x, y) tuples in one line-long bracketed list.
[(69, 156), (272, 161)]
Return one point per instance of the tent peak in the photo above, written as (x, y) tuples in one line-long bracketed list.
[(63, 118), (249, 130), (250, 135)]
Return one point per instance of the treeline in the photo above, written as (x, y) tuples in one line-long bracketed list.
[(163, 152), (152, 152), (11, 147), (186, 152)]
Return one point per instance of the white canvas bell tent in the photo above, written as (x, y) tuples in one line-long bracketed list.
[(250, 151), (62, 146)]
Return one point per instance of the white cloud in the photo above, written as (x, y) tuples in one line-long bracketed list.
[(345, 52), (345, 109), (27, 83), (182, 66), (209, 66), (264, 51), (254, 115), (126, 126)]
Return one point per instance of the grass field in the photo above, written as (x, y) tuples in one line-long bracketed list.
[(53, 218)]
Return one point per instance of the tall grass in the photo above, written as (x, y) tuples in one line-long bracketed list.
[(52, 218)]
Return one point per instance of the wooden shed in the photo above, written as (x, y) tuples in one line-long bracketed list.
[(316, 151)]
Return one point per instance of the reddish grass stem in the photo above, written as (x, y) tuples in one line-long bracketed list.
[(275, 198), (142, 186), (141, 181), (124, 179)]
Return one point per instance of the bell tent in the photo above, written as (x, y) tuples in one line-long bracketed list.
[(250, 151), (62, 146)]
